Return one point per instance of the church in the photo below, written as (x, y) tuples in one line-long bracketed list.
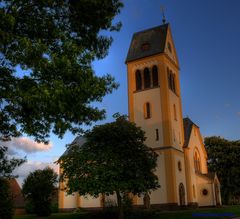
[(154, 104)]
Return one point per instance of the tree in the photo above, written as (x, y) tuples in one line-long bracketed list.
[(38, 188), (7, 166), (223, 158), (114, 159), (54, 43)]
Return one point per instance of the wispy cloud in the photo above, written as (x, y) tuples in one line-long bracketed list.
[(238, 113), (27, 145)]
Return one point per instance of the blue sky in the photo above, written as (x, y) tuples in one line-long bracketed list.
[(206, 35)]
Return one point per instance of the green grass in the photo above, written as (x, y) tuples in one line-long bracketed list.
[(183, 214), (187, 214)]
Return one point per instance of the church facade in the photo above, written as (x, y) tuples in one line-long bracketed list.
[(154, 104)]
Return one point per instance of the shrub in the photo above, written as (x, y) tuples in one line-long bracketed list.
[(29, 207), (6, 202)]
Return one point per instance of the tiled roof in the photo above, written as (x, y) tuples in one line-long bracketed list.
[(153, 40), (79, 140), (187, 124), (18, 199)]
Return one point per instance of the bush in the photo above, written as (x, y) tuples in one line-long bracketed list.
[(6, 202), (29, 207), (42, 208), (54, 207)]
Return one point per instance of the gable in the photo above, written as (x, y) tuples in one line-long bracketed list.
[(170, 49), (196, 141)]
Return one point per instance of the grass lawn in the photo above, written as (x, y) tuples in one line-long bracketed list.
[(200, 213)]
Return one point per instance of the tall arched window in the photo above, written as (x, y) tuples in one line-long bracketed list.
[(194, 192), (155, 76), (147, 78), (147, 110), (173, 83), (181, 191), (197, 162), (138, 78)]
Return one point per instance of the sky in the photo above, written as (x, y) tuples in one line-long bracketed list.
[(206, 35)]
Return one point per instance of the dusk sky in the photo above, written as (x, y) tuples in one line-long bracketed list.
[(206, 35)]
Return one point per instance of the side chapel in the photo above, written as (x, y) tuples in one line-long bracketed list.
[(154, 103)]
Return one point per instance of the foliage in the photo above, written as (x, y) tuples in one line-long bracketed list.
[(113, 160), (223, 158), (54, 44), (38, 188), (7, 165), (6, 201), (29, 207)]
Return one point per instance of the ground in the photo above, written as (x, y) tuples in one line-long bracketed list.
[(206, 213)]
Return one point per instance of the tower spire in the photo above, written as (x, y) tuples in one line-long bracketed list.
[(163, 15)]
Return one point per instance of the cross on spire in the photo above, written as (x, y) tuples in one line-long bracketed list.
[(163, 15)]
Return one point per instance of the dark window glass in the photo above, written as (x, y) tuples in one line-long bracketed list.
[(147, 79), (173, 83), (169, 47), (138, 80), (155, 75), (157, 135), (147, 110)]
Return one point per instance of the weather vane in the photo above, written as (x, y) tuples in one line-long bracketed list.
[(163, 15)]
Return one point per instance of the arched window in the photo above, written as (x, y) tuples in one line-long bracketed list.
[(157, 135), (173, 83), (169, 79), (147, 78), (194, 192), (147, 110), (181, 191), (155, 76), (174, 111), (197, 162), (169, 47), (138, 78)]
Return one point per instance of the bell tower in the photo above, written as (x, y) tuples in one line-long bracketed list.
[(154, 101)]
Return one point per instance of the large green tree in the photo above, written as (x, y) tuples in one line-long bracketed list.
[(7, 166), (54, 42), (223, 158), (114, 159), (38, 188)]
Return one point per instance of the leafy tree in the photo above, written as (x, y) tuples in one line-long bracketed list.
[(7, 166), (54, 42), (223, 158), (6, 201), (38, 188), (114, 159)]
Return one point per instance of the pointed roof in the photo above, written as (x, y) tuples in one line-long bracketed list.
[(187, 124), (147, 42), (18, 199), (79, 140)]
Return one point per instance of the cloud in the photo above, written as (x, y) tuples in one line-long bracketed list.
[(238, 114), (27, 145), (30, 166), (227, 105)]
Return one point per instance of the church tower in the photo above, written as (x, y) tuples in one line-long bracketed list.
[(155, 105)]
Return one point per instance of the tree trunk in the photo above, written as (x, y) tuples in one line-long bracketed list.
[(120, 207)]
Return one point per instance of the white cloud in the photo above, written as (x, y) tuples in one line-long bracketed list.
[(30, 166), (27, 145)]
